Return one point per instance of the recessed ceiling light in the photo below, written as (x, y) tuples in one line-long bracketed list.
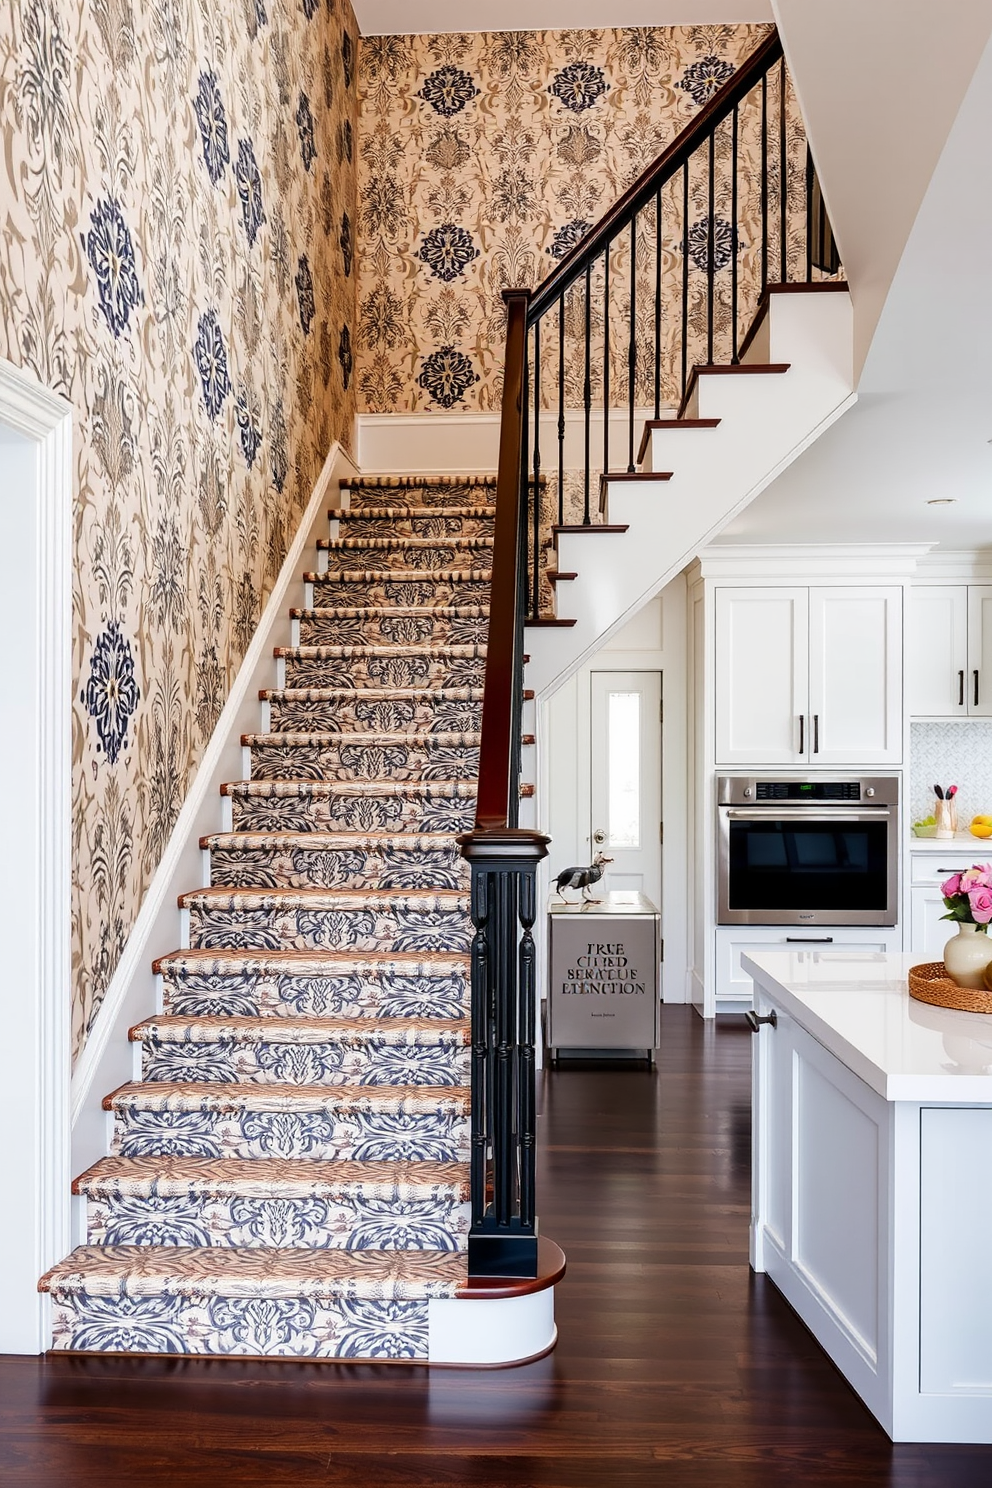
[(942, 501)]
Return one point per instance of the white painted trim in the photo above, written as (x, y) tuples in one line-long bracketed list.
[(39, 1235), (804, 562), (490, 1330), (954, 566), (105, 1061)]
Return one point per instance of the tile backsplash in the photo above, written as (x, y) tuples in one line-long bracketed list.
[(957, 751)]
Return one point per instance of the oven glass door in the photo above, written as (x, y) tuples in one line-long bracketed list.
[(813, 865)]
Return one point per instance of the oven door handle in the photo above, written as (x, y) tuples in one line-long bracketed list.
[(870, 814)]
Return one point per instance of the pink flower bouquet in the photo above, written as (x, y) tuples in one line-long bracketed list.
[(968, 896)]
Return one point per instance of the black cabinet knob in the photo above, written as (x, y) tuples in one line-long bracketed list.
[(754, 1022)]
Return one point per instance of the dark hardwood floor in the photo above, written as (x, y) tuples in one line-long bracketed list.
[(675, 1365)]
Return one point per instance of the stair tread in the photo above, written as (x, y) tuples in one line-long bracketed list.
[(226, 1096), (470, 651), (294, 962), (148, 1270), (323, 841), (277, 1177), (370, 694), (414, 482), (356, 899), (401, 576), (391, 544), (462, 790), (402, 612), (368, 740), (175, 1028), (384, 513)]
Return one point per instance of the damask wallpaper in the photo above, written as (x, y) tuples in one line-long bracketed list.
[(177, 229), (483, 158)]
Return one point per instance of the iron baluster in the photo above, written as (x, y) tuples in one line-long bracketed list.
[(734, 249), (657, 303), (764, 182), (606, 361), (561, 410), (632, 347), (685, 277), (536, 607), (710, 251), (587, 391), (809, 214), (783, 185), (526, 1031)]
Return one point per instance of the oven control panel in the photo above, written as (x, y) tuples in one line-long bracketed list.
[(807, 790)]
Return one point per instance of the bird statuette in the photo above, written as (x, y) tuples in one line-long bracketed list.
[(582, 878)]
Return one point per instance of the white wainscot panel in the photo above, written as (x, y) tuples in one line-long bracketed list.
[(955, 1242), (836, 1240)]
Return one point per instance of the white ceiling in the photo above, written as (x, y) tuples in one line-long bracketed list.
[(408, 17), (924, 418)]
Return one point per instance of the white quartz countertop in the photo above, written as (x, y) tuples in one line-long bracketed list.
[(857, 1005), (960, 842)]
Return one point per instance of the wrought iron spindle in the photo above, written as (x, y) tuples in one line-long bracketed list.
[(587, 392), (783, 153), (632, 347), (606, 360), (710, 250), (763, 182), (657, 302), (537, 469), (685, 277), (809, 214), (526, 1114), (561, 409), (526, 557), (734, 239)]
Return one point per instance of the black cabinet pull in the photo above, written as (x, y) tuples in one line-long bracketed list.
[(961, 688), (976, 686), (816, 939), (754, 1022), (802, 733), (816, 733)]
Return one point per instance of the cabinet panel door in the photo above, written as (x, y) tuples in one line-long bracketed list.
[(761, 676), (937, 681), (855, 676), (980, 650), (928, 932)]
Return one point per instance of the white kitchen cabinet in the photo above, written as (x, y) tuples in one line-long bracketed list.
[(949, 651), (734, 987), (809, 675), (928, 933)]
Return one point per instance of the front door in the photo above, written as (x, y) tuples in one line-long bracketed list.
[(626, 780)]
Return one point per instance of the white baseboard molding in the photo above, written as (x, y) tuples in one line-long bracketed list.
[(468, 443), (106, 1059)]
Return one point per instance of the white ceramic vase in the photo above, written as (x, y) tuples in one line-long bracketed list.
[(967, 954)]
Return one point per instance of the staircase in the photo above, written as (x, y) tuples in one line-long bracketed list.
[(289, 1175)]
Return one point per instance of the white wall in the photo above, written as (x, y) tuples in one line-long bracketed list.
[(654, 640)]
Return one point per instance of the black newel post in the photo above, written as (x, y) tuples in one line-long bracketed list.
[(503, 1237)]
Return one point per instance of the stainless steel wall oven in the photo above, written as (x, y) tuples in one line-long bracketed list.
[(822, 850)]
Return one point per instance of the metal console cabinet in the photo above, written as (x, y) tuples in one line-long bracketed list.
[(604, 974)]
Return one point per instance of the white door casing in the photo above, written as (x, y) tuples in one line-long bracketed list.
[(625, 779), (35, 602)]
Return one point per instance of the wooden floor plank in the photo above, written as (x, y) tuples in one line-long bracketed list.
[(675, 1367)]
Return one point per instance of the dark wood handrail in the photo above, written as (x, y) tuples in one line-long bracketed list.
[(647, 185), (498, 722)]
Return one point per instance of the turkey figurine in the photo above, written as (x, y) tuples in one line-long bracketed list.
[(582, 878)]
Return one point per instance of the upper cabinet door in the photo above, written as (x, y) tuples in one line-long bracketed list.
[(980, 650), (855, 676), (937, 680), (762, 656)]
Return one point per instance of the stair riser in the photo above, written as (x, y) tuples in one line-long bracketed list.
[(339, 930), (249, 1326), (318, 1136), (349, 760), (349, 553), (420, 493), (329, 591), (374, 1063), (416, 526), (406, 630), (251, 995), (312, 1223), (374, 715), (351, 814), (384, 671), (345, 868)]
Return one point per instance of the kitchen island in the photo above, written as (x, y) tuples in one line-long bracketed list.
[(872, 1183)]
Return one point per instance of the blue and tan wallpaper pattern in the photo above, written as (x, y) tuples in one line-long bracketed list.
[(177, 230)]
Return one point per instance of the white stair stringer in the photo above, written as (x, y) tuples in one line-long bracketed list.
[(766, 421)]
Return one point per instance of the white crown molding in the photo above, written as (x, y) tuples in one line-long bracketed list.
[(798, 562), (34, 1060), (106, 1058), (955, 566)]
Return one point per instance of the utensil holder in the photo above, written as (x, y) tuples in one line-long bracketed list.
[(946, 816)]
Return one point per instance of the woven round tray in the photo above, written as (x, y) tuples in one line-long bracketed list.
[(930, 983)]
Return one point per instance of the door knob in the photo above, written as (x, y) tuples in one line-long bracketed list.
[(599, 836)]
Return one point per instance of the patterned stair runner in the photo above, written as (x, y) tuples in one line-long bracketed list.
[(289, 1175)]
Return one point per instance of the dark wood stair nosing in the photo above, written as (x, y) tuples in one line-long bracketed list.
[(547, 622), (554, 577), (590, 526)]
